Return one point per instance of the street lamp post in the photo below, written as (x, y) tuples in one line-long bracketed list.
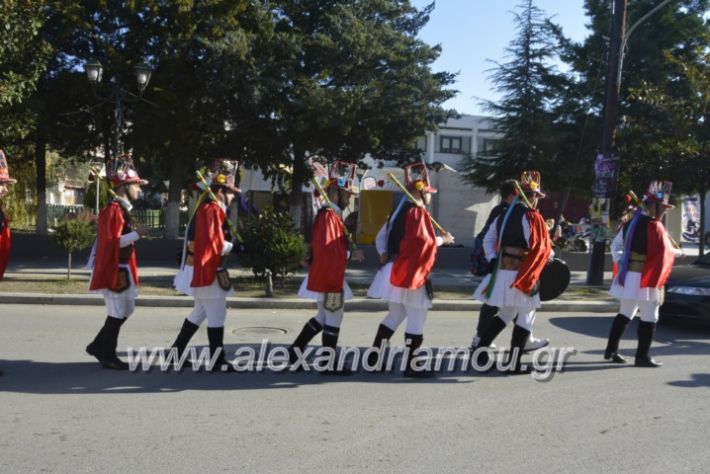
[(118, 95), (606, 167)]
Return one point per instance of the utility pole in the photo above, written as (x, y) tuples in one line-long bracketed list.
[(606, 167)]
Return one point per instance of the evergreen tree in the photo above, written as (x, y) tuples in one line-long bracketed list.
[(530, 87)]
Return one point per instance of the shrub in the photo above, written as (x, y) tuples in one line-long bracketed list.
[(272, 243), (74, 235)]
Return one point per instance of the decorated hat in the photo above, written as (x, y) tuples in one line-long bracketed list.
[(530, 182), (416, 177), (223, 172), (343, 175), (4, 171), (120, 171), (659, 192)]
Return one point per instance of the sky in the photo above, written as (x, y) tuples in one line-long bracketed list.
[(471, 32)]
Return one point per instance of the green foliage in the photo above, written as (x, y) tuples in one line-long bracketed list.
[(22, 61), (89, 201), (74, 235), (20, 204), (529, 85), (272, 243)]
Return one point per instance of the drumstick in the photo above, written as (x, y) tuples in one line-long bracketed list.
[(415, 202)]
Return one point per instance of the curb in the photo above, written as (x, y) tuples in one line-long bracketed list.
[(356, 304)]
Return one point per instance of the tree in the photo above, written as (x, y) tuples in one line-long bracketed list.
[(678, 27), (679, 148), (281, 253), (339, 79), (22, 55), (529, 85), (74, 235)]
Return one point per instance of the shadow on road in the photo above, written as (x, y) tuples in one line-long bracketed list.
[(38, 377), (671, 339)]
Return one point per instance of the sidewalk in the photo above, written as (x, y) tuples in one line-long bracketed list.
[(452, 280)]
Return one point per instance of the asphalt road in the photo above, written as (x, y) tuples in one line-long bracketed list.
[(60, 412)]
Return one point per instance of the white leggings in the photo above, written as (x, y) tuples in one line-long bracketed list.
[(649, 310), (525, 314), (416, 317), (214, 309), (329, 318)]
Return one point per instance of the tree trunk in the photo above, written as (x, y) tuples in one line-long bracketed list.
[(297, 179), (172, 212), (701, 247), (69, 267), (41, 183)]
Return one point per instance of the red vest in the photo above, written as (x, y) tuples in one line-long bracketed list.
[(108, 242), (329, 250), (417, 251), (209, 241)]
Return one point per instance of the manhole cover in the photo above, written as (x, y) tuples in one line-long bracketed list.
[(258, 331)]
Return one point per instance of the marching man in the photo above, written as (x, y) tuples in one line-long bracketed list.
[(508, 193), (520, 243), (202, 275), (329, 254), (113, 259), (408, 246), (644, 254), (5, 181)]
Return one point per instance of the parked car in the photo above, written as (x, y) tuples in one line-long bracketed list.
[(688, 292)]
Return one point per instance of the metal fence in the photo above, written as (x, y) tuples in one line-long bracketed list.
[(151, 218), (58, 212)]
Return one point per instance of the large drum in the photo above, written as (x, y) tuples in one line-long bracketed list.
[(554, 279)]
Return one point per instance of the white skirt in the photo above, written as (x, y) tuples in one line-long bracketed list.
[(382, 288), (632, 289), (504, 295), (304, 292), (183, 280), (130, 292)]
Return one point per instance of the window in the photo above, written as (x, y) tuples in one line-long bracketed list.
[(487, 145), (451, 145)]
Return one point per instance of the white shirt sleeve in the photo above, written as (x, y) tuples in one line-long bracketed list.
[(381, 240), (439, 241), (226, 247), (490, 239), (617, 247), (128, 239), (526, 230)]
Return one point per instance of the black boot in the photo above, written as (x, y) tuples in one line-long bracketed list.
[(183, 338), (645, 334), (330, 339), (110, 339), (215, 336), (517, 345), (612, 346), (485, 316), (383, 334), (414, 342), (309, 331), (96, 347), (495, 327)]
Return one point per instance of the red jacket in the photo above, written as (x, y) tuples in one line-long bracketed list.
[(4, 243), (660, 256), (209, 241), (108, 241), (539, 248), (417, 251), (329, 250)]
